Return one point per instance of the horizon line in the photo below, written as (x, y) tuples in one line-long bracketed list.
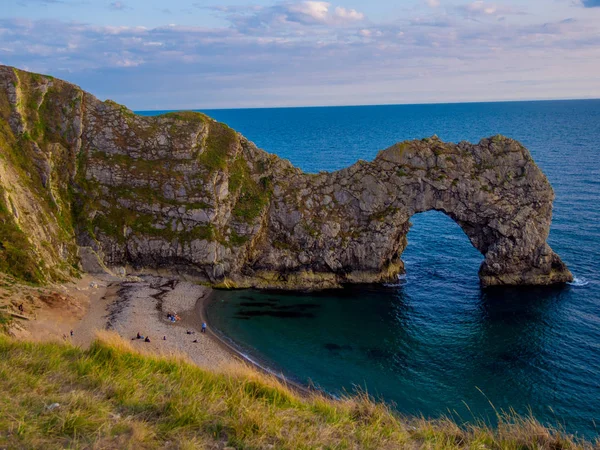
[(567, 99)]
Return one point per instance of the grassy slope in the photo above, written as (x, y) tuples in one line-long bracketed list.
[(113, 397)]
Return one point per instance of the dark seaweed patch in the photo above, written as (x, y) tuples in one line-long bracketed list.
[(273, 313), (257, 304), (378, 354), (297, 307), (332, 347)]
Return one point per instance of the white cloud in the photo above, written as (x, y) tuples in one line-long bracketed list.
[(286, 14), (348, 14), (480, 6), (433, 3), (317, 11), (118, 6), (484, 8)]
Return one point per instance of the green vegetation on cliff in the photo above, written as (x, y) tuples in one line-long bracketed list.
[(220, 144), (110, 396), (253, 196), (34, 181), (16, 255)]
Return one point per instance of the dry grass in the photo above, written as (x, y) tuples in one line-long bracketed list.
[(112, 396)]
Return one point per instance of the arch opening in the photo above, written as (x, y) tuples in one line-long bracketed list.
[(439, 248)]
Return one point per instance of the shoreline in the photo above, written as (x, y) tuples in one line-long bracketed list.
[(130, 307), (220, 339)]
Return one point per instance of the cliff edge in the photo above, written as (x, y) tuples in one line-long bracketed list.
[(89, 183)]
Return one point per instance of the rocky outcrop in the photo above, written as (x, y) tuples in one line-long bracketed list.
[(184, 193)]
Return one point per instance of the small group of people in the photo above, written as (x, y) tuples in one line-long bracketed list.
[(71, 333), (202, 330), (139, 336), (173, 317)]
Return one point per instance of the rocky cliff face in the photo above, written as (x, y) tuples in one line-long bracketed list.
[(81, 179)]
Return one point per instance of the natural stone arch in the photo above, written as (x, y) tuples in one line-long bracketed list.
[(351, 225)]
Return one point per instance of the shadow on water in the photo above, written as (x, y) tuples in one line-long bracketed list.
[(514, 324), (526, 304), (506, 354)]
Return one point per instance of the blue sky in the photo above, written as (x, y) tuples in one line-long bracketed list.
[(151, 54)]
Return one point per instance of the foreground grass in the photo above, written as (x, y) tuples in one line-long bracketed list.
[(111, 396)]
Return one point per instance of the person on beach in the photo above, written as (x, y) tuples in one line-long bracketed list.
[(203, 327), (147, 339), (71, 333)]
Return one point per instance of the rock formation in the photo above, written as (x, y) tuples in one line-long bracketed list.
[(184, 193)]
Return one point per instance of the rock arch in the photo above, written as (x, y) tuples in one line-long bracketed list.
[(351, 225)]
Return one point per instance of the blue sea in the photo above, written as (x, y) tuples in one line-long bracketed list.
[(436, 343)]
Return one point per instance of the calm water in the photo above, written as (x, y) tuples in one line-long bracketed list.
[(437, 343)]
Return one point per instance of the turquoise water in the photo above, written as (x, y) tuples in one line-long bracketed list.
[(436, 342)]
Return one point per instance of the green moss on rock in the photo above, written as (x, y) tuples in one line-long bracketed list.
[(220, 144)]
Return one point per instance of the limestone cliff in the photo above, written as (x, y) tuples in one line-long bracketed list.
[(181, 192)]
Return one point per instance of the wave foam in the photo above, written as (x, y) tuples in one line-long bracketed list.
[(401, 281), (578, 282)]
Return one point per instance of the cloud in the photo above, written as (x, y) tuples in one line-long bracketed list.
[(348, 14), (480, 6), (118, 6), (484, 8), (308, 11), (591, 3), (286, 14), (433, 3)]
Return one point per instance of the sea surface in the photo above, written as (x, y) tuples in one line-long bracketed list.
[(436, 343)]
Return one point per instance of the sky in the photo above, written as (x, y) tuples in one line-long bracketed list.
[(202, 54)]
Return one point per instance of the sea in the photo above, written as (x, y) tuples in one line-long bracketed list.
[(436, 343)]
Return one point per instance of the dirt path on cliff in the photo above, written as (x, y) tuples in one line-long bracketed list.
[(53, 311)]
